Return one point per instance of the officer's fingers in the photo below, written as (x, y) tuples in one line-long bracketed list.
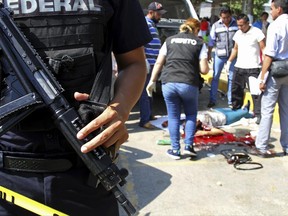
[(117, 139), (109, 136), (109, 116), (81, 96)]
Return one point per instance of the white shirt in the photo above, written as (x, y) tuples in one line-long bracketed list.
[(277, 35), (248, 48), (212, 118)]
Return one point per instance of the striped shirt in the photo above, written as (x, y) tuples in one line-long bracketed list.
[(153, 47)]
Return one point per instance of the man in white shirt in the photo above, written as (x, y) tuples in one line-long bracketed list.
[(249, 41)]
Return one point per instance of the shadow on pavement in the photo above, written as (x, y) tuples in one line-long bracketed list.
[(144, 183)]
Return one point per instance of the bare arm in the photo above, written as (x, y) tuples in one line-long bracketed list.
[(212, 132), (204, 67), (262, 46), (266, 64), (128, 88), (209, 53), (161, 59), (234, 53)]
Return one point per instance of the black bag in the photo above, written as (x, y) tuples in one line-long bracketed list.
[(279, 68)]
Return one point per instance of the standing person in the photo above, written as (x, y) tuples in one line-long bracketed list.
[(154, 14), (249, 41), (221, 35), (274, 89), (181, 54), (204, 29), (80, 32), (262, 23)]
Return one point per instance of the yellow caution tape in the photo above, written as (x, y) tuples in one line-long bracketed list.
[(27, 203)]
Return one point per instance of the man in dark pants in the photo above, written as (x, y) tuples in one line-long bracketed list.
[(82, 32), (249, 42), (154, 13)]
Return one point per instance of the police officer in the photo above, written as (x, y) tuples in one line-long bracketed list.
[(74, 38)]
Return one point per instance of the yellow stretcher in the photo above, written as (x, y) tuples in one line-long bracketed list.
[(27, 203)]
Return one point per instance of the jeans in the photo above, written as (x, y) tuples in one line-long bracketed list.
[(145, 104), (233, 115), (176, 96), (276, 91), (217, 69)]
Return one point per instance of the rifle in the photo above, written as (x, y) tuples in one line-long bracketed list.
[(28, 85)]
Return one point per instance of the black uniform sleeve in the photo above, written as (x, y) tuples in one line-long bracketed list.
[(131, 30)]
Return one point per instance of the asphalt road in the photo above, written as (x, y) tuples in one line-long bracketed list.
[(205, 185)]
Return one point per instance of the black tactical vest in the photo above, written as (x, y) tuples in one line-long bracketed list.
[(182, 59), (71, 37)]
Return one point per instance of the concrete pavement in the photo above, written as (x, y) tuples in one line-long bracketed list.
[(201, 186)]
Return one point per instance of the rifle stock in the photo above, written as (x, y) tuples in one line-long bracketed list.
[(31, 72)]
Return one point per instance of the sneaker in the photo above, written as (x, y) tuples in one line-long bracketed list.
[(174, 154), (211, 104), (189, 150)]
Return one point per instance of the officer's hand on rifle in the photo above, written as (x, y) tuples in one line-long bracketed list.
[(114, 129)]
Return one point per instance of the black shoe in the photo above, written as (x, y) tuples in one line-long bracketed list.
[(189, 150), (211, 104)]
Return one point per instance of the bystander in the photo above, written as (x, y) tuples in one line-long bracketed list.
[(154, 14), (249, 41), (221, 35), (274, 89)]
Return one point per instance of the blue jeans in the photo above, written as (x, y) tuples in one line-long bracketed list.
[(217, 69), (234, 115), (276, 91), (145, 104), (176, 96)]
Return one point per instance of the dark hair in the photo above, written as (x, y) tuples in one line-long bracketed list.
[(225, 9), (281, 3), (264, 13), (244, 17)]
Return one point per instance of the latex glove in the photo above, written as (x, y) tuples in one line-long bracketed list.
[(150, 88), (227, 67), (147, 66)]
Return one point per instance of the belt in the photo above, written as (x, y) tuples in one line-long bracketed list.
[(36, 165)]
